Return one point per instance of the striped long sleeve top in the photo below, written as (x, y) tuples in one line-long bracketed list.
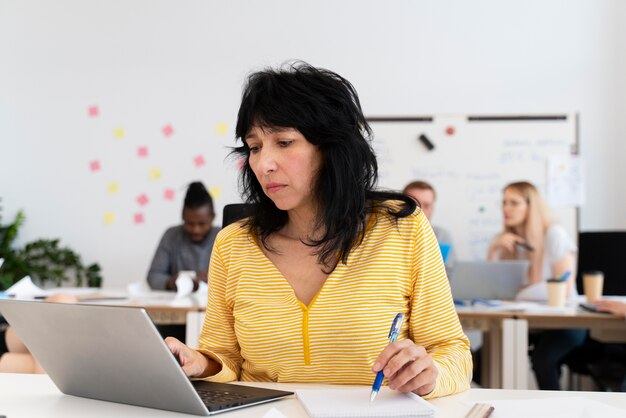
[(258, 330)]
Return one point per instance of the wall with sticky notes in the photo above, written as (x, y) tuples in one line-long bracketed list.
[(470, 158), (108, 109)]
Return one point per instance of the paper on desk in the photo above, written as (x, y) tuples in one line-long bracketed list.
[(184, 285), (25, 289), (557, 407), (274, 413)]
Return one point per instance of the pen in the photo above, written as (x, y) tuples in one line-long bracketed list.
[(393, 335), (565, 276), (524, 245)]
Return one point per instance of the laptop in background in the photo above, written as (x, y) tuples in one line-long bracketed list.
[(488, 279), (116, 354)]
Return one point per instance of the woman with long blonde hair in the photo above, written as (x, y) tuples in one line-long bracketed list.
[(530, 234)]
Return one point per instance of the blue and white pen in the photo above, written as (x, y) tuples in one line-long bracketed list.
[(393, 335)]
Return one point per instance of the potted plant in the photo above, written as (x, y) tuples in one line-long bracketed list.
[(44, 260)]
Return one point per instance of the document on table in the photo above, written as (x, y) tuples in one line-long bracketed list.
[(355, 402), (557, 407)]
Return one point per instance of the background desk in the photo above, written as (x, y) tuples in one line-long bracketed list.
[(505, 345), (28, 396), (505, 362)]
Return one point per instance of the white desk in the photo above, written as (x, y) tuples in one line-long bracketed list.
[(28, 396)]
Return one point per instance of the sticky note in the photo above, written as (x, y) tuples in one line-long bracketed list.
[(215, 192), (113, 187), (221, 128), (168, 130), (142, 199), (168, 194), (109, 218), (198, 160), (94, 165), (93, 111), (138, 218), (155, 173), (142, 151), (119, 133)]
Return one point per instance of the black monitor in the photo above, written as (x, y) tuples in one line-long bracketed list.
[(606, 252)]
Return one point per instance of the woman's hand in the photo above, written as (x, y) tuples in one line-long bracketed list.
[(507, 241), (193, 362), (613, 306), (407, 367)]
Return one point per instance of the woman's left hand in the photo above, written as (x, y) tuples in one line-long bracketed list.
[(407, 367)]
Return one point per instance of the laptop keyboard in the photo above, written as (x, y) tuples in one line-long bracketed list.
[(213, 397)]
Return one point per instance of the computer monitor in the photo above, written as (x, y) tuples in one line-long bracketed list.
[(604, 251)]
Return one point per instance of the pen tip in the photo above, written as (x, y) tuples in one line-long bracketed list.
[(373, 396)]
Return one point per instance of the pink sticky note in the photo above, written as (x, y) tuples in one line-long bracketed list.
[(198, 160), (93, 111), (94, 165), (168, 130), (138, 218), (169, 194), (142, 151), (142, 199)]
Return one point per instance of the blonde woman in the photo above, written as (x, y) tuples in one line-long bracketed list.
[(529, 234)]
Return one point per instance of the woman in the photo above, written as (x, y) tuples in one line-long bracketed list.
[(305, 290), (186, 247), (529, 234)]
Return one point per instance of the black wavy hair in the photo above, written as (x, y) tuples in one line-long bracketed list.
[(324, 107), (197, 196)]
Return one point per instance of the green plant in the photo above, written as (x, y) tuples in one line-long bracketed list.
[(43, 260)]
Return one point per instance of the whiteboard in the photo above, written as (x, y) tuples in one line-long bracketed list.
[(473, 158)]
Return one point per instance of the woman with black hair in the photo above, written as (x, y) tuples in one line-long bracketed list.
[(305, 289), (186, 247)]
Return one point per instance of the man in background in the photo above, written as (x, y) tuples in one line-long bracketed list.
[(425, 196)]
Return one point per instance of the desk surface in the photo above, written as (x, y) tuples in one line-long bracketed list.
[(27, 396)]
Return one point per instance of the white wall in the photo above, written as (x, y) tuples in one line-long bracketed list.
[(151, 62)]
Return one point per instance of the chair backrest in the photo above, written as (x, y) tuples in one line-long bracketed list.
[(236, 211), (603, 251)]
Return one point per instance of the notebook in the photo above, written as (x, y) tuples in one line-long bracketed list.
[(115, 353), (487, 279), (355, 402)]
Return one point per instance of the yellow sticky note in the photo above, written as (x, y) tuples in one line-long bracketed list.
[(221, 128), (109, 218), (119, 133), (215, 192), (155, 173), (113, 187)]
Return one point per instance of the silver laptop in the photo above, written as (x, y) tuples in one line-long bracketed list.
[(115, 353), (488, 279)]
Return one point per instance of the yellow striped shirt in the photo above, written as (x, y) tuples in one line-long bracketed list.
[(259, 331)]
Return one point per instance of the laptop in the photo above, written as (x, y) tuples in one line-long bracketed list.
[(488, 279), (116, 354)]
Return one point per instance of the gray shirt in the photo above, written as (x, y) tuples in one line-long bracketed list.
[(176, 252)]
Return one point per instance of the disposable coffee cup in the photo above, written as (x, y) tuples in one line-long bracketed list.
[(593, 281), (557, 292)]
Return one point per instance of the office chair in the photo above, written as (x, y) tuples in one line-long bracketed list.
[(236, 211)]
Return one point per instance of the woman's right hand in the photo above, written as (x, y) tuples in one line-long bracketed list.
[(194, 363), (507, 241)]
